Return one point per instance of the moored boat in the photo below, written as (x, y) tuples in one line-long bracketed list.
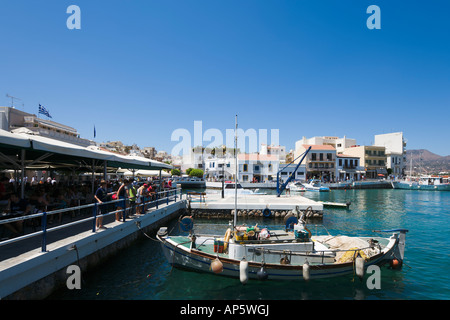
[(426, 183), (229, 188), (287, 254), (190, 182), (315, 185)]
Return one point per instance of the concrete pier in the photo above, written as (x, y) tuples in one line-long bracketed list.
[(213, 205), (36, 274)]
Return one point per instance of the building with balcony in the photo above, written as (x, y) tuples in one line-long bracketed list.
[(395, 145), (372, 158), (348, 168), (255, 167), (14, 120), (320, 161)]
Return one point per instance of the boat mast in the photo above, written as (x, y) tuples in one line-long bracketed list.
[(236, 174)]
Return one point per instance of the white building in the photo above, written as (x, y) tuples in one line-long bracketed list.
[(255, 167), (395, 145), (338, 143), (216, 167), (279, 151), (348, 168)]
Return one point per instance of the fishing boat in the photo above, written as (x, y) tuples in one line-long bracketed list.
[(427, 183), (286, 254), (315, 185), (289, 253)]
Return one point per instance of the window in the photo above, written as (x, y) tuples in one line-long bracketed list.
[(313, 156), (329, 156), (245, 168), (270, 167), (245, 177), (340, 162), (256, 168), (321, 156)]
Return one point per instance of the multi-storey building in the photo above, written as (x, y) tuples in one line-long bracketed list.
[(12, 119), (395, 145), (338, 143), (320, 161), (372, 158)]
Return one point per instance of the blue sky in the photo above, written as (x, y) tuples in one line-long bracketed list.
[(138, 70)]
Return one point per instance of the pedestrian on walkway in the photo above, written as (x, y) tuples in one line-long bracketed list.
[(100, 196)]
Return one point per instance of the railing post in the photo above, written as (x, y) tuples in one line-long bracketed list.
[(44, 232), (124, 209), (157, 199), (94, 223), (168, 196)]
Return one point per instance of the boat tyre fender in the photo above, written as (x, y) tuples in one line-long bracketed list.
[(226, 239), (267, 213)]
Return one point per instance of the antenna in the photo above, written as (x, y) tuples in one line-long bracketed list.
[(12, 99)]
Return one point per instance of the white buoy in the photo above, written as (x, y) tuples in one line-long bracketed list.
[(359, 265), (243, 271), (306, 273)]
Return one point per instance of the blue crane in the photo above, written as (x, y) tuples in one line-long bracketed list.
[(281, 188)]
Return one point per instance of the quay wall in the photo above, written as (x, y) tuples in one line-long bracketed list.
[(38, 276), (229, 214)]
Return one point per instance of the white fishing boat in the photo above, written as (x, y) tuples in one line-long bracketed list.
[(426, 183), (315, 185), (290, 253)]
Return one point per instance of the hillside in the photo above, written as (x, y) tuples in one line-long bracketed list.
[(428, 161)]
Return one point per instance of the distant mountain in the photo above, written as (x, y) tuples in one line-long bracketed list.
[(424, 161)]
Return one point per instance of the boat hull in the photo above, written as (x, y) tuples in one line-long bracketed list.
[(416, 186)]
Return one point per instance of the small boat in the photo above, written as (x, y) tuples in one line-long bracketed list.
[(230, 189), (336, 204), (315, 185), (191, 182), (289, 254), (426, 183), (296, 186)]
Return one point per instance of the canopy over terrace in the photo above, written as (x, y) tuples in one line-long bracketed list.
[(25, 151)]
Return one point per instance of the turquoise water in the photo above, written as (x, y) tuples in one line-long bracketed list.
[(141, 272)]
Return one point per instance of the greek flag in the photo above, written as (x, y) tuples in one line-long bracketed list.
[(44, 111)]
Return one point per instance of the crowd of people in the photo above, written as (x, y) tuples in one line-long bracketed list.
[(50, 195)]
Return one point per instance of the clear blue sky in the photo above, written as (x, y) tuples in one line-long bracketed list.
[(138, 70)]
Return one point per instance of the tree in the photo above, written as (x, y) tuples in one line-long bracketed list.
[(196, 173), (175, 172), (188, 171)]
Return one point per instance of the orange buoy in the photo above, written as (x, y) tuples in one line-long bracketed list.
[(395, 264), (216, 266)]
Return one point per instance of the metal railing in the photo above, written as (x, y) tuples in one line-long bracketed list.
[(127, 209)]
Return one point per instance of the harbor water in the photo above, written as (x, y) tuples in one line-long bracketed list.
[(141, 272)]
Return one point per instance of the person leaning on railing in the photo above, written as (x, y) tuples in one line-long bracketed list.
[(101, 196)]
